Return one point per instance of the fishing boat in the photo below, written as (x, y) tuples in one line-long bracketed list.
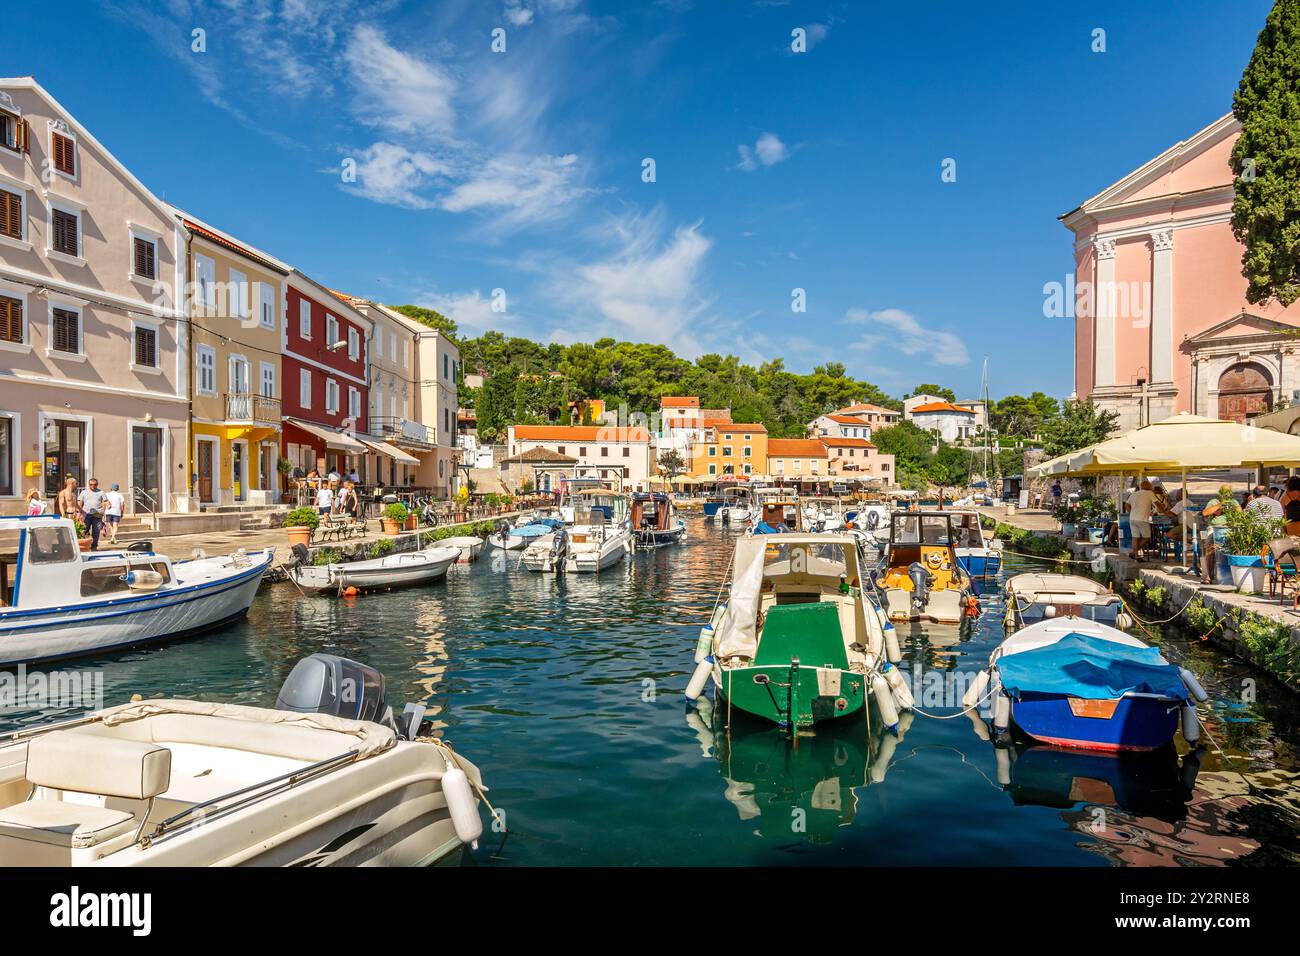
[(1077, 683), (921, 578), (654, 520), (1034, 595), (797, 641), (979, 556), (512, 539), (329, 777), (470, 547), (737, 505), (593, 544), (403, 569), (777, 514), (57, 601)]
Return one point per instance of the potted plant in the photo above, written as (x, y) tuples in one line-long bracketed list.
[(285, 467), (299, 525), (1248, 533), (394, 517), (83, 535)]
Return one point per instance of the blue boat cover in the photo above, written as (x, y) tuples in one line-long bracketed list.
[(1092, 668), (532, 531)]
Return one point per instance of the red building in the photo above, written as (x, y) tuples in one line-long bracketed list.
[(324, 380)]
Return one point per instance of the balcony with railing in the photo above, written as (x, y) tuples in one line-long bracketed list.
[(403, 432), (251, 408)]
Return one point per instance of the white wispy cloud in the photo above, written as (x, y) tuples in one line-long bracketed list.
[(648, 289), (525, 190), (396, 176), (472, 310), (767, 151), (399, 91), (901, 330)]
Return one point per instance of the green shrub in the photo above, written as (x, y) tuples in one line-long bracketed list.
[(1200, 618), (381, 547), (397, 512), (1156, 596), (1250, 531), (327, 556), (1270, 644), (302, 518)]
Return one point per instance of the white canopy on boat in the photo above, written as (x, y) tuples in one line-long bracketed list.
[(738, 630)]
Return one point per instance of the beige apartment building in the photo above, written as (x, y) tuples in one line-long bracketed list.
[(93, 381)]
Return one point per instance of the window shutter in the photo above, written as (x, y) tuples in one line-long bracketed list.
[(11, 319), (65, 233), (11, 214), (24, 137), (65, 156), (67, 336), (144, 259), (145, 347)]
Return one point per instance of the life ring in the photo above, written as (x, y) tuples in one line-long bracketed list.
[(934, 559)]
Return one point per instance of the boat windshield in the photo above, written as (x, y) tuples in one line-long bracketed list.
[(921, 529), (822, 560)]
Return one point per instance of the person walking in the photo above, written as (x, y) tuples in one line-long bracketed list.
[(115, 504), (325, 498), (1056, 493), (35, 503), (66, 503), (91, 502), (1140, 505)]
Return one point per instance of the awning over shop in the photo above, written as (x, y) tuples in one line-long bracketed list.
[(254, 433), (392, 452), (332, 437)]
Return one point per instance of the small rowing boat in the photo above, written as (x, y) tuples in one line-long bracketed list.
[(403, 569)]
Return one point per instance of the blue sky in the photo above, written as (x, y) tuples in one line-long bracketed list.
[(522, 170)]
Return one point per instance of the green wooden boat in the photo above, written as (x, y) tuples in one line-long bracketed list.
[(798, 642)]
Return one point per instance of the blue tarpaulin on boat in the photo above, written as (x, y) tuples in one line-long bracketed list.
[(1092, 668), (532, 530)]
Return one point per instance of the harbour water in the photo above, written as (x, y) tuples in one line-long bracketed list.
[(568, 693)]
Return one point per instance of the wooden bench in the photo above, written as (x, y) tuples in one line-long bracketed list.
[(339, 527)]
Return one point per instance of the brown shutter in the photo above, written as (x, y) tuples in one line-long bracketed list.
[(65, 233), (65, 154), (67, 334), (144, 259), (11, 214), (24, 137), (145, 348), (11, 319)]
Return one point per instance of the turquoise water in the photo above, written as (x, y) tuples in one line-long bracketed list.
[(568, 694)]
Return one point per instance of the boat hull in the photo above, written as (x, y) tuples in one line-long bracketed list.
[(1134, 722), (980, 563), (768, 699), (711, 508), (336, 576), (51, 634)]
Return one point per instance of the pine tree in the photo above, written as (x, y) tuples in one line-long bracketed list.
[(1266, 160)]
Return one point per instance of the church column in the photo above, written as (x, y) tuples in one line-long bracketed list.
[(1104, 296), (1162, 305)]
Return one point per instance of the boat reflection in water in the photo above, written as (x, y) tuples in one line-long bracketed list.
[(805, 792)]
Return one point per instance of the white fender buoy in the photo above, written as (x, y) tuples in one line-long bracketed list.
[(1123, 620), (461, 803), (1191, 724), (1049, 611), (898, 685), (143, 579), (1003, 757), (880, 763), (975, 692), (885, 701), (1194, 685), (699, 679), (1001, 712), (979, 726), (704, 646), (892, 653)]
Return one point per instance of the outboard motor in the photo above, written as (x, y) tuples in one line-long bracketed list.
[(559, 549), (921, 579), (873, 520), (301, 556), (329, 684)]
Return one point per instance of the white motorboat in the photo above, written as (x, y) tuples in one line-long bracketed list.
[(470, 547), (190, 783), (513, 539), (1034, 596), (598, 543), (57, 601), (392, 570)]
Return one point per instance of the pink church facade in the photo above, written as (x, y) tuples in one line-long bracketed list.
[(1162, 324)]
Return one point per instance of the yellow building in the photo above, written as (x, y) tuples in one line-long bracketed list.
[(730, 448), (235, 299)]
